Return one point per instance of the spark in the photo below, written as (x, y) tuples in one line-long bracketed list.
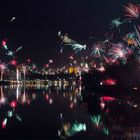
[(19, 48), (69, 130), (13, 18), (2, 68), (107, 42), (13, 104), (10, 53), (71, 57), (109, 82), (97, 50), (78, 127), (137, 34), (61, 49), (130, 38), (102, 105), (50, 61), (28, 60), (118, 52), (107, 98), (4, 123), (2, 100), (96, 119), (77, 47), (4, 44), (46, 65), (116, 23), (132, 11), (101, 69), (65, 39), (13, 62), (106, 131)]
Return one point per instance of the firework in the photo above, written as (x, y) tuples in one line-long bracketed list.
[(18, 49), (28, 60), (116, 23), (101, 68), (50, 61), (13, 62), (65, 39), (2, 68), (69, 130), (130, 38), (108, 38), (10, 53), (109, 82), (77, 47), (4, 44), (4, 123), (97, 50), (13, 18), (132, 11), (61, 49), (107, 98), (71, 57), (138, 35), (2, 96), (46, 65), (96, 119), (13, 104), (118, 52), (106, 131)]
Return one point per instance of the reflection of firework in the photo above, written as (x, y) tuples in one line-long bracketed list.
[(69, 129), (2, 68)]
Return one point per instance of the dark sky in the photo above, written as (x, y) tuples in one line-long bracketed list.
[(38, 22)]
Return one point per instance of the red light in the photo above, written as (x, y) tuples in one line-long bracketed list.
[(28, 60), (3, 125), (46, 65), (47, 97), (107, 98), (28, 102), (3, 42), (109, 82), (13, 104), (13, 62)]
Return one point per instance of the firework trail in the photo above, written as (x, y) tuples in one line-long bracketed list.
[(132, 11)]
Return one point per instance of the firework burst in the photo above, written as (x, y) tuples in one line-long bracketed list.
[(132, 11), (97, 50), (116, 23), (118, 52)]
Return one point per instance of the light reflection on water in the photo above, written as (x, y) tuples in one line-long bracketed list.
[(52, 111)]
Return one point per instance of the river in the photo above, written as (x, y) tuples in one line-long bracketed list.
[(65, 112)]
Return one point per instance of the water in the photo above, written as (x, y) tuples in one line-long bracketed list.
[(65, 112)]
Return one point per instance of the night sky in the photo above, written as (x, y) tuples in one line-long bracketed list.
[(38, 22)]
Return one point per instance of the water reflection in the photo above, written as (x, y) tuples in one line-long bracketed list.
[(27, 107), (65, 111), (118, 118)]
